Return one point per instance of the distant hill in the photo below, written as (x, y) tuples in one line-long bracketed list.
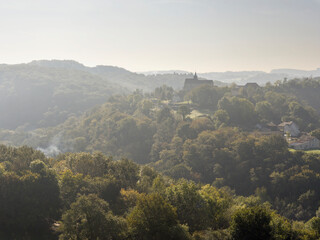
[(45, 93), (165, 72), (31, 94), (294, 73), (112, 74), (120, 76), (243, 77), (259, 77)]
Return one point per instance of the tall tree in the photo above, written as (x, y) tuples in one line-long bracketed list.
[(90, 218), (153, 218)]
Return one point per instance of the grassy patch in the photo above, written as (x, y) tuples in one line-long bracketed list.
[(317, 151), (196, 113), (184, 103)]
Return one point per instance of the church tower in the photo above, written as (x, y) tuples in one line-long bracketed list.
[(194, 82), (195, 77)]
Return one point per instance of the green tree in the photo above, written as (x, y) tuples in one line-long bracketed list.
[(218, 202), (206, 96), (29, 203), (90, 218), (264, 110), (240, 110), (164, 114), (126, 172), (145, 106), (20, 158), (70, 186), (199, 125), (164, 92), (251, 223), (316, 133), (184, 110), (192, 209), (147, 176), (153, 218), (314, 223), (95, 164), (220, 118)]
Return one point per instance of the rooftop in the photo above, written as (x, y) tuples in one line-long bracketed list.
[(285, 123)]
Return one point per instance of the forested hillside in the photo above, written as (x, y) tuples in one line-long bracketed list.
[(91, 196), (46, 93), (34, 96), (306, 90), (201, 120), (120, 76), (223, 147), (209, 144)]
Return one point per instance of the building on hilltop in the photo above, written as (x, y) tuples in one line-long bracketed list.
[(289, 128), (194, 82), (305, 142)]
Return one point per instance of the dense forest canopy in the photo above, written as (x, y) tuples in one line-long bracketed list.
[(46, 93), (91, 196), (164, 164)]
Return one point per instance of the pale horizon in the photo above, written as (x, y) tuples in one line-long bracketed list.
[(159, 35), (160, 70)]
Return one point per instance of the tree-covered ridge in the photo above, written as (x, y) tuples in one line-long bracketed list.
[(306, 90), (36, 96), (91, 196), (223, 147), (121, 76), (248, 107), (46, 93)]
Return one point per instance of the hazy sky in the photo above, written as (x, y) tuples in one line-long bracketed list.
[(201, 35)]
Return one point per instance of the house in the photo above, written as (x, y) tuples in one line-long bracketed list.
[(194, 82), (290, 129), (305, 142)]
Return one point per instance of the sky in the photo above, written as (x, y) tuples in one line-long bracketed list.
[(145, 35)]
